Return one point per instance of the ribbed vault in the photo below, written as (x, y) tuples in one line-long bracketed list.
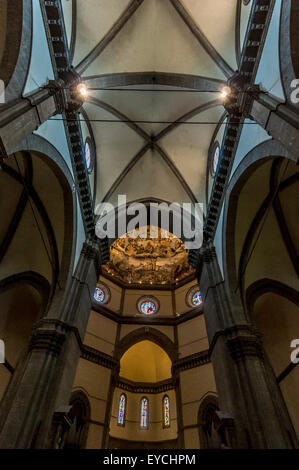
[(154, 69)]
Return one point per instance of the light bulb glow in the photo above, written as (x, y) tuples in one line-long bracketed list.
[(82, 90), (225, 92)]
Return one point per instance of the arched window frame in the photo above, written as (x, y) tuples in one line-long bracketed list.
[(141, 411), (119, 423), (165, 425)]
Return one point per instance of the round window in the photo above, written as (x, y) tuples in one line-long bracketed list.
[(194, 297), (148, 305), (101, 294)]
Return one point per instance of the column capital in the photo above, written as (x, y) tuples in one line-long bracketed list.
[(242, 341), (47, 340), (242, 95)]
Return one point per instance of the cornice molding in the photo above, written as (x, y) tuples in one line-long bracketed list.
[(150, 287), (93, 355), (139, 319), (145, 387), (190, 362)]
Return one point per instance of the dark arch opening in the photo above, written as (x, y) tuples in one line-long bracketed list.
[(80, 417)]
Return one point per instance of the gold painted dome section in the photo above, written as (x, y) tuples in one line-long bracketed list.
[(148, 256)]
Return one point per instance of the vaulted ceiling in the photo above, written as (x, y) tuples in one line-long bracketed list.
[(149, 64)]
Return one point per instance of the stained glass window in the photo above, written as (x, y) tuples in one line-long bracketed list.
[(196, 299), (144, 413), (166, 412), (122, 410), (87, 155), (216, 159), (99, 295), (148, 308), (102, 293)]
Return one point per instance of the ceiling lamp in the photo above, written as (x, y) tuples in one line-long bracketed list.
[(225, 92), (82, 90)]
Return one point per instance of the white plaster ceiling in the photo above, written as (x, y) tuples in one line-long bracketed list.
[(154, 39)]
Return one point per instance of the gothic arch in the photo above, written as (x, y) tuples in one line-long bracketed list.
[(29, 277), (266, 151), (80, 417), (55, 161), (150, 334), (263, 286), (206, 412)]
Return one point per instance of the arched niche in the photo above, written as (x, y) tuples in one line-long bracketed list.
[(23, 299), (146, 356), (80, 417), (150, 334), (145, 361), (253, 225), (208, 436)]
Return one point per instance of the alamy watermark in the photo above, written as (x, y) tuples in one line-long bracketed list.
[(295, 353), (2, 352), (184, 221), (2, 92), (295, 92)]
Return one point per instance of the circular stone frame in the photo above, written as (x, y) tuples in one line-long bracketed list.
[(148, 298), (190, 295)]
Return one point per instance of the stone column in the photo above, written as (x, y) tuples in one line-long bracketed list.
[(247, 388), (43, 380), (24, 116)]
